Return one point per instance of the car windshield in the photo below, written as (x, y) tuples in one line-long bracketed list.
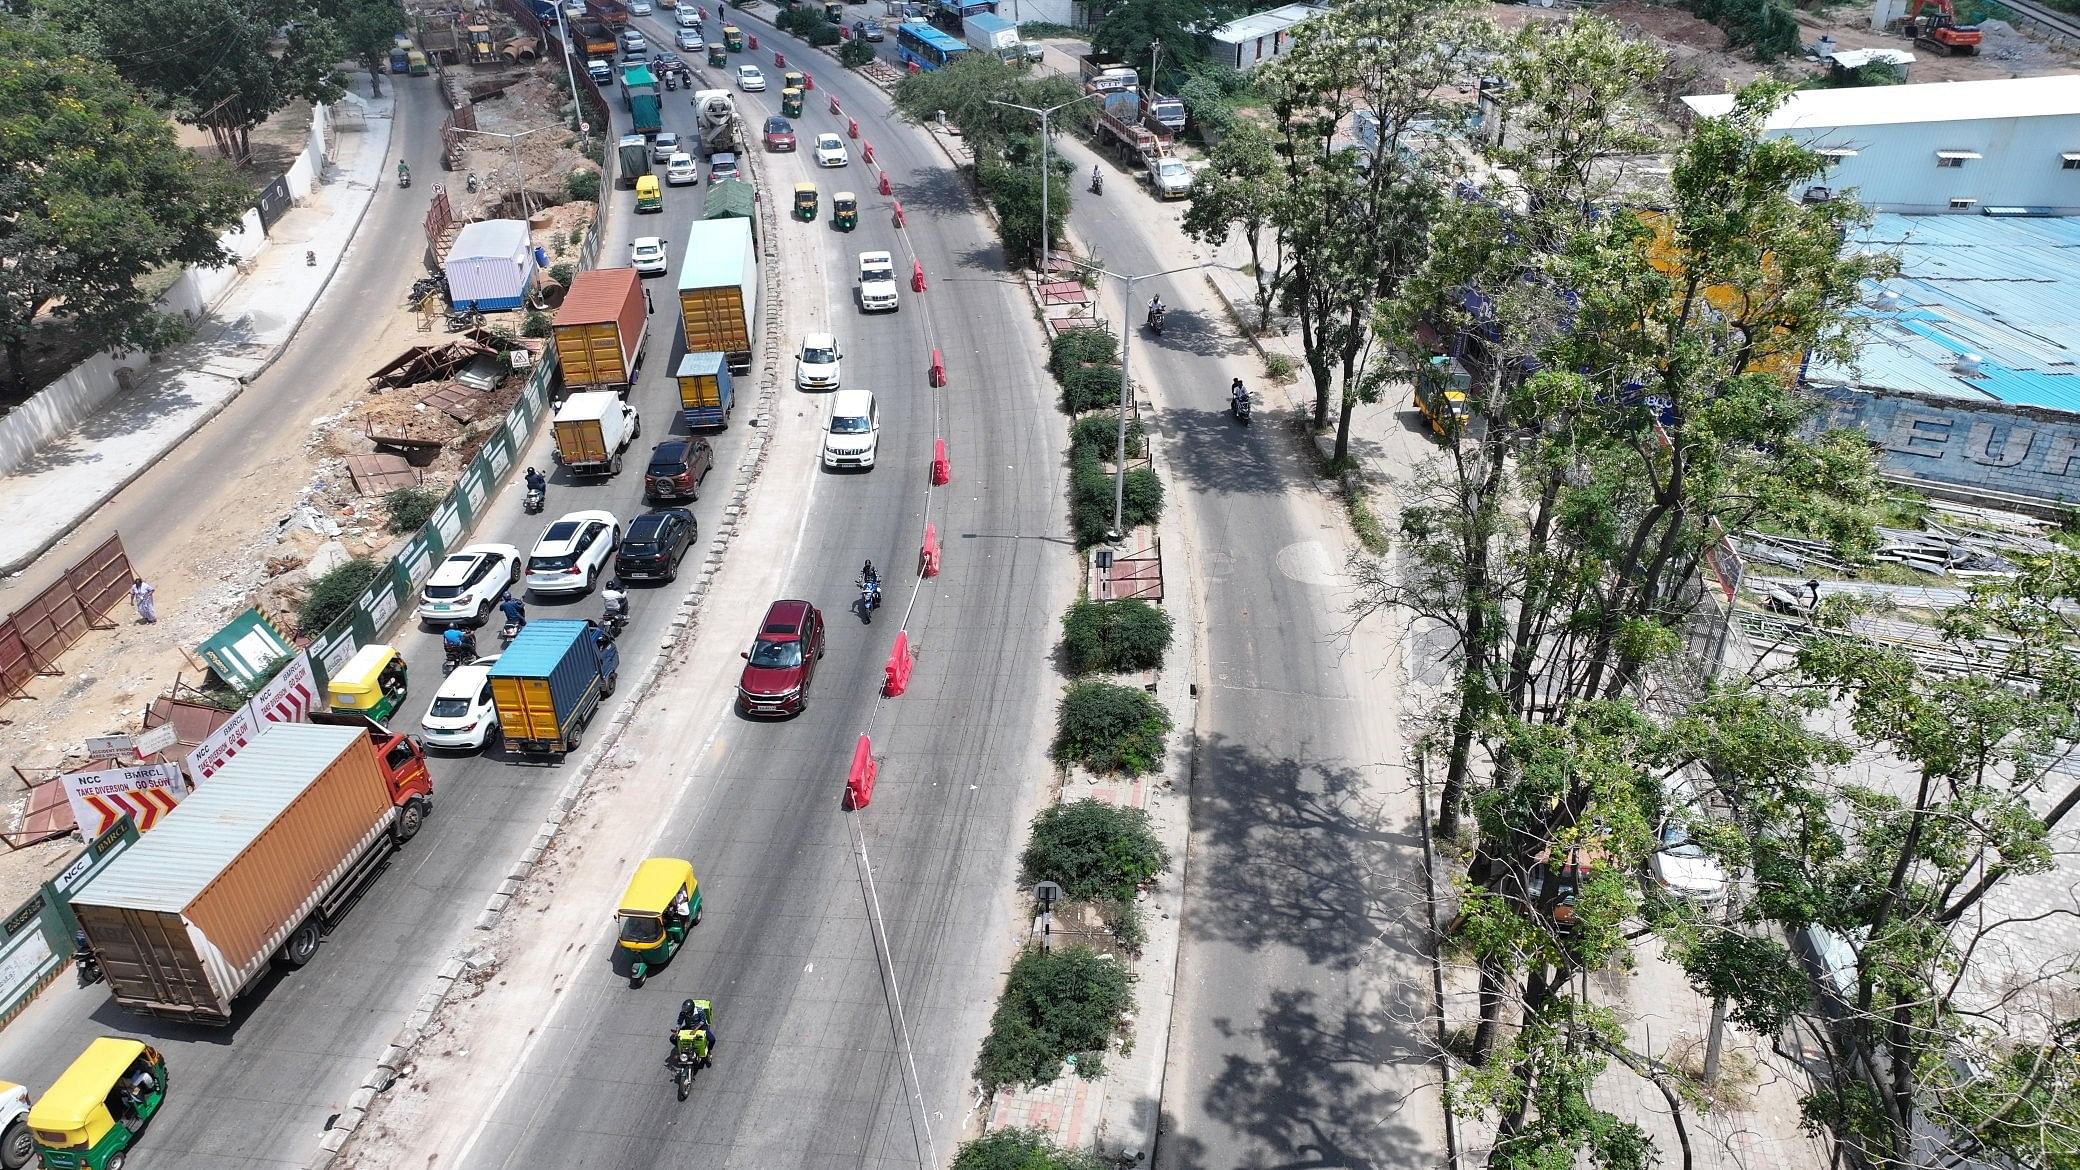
[(817, 355), (449, 708), (1677, 843), (828, 142), (850, 424), (639, 548), (668, 463), (776, 655), (641, 928), (550, 564), (778, 126)]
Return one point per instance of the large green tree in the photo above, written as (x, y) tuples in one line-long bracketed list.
[(1241, 191), (366, 29), (94, 194), (223, 64)]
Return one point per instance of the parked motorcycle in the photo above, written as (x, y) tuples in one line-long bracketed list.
[(470, 183), (83, 959)]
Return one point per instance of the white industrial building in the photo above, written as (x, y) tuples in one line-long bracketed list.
[(1960, 146), (1246, 42)]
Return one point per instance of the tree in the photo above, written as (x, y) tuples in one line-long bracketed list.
[(1129, 30), (1241, 189), (98, 194), (233, 64), (1003, 139), (367, 28)]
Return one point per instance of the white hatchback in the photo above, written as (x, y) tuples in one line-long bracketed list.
[(573, 553), (687, 17), (750, 79), (461, 715), (466, 584), (830, 151), (816, 366)]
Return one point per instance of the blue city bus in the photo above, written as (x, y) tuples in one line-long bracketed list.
[(926, 47)]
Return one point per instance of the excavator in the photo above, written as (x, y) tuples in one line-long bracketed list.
[(1939, 32)]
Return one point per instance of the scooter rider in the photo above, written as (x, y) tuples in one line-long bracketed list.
[(1155, 312), (515, 612), (1097, 179), (615, 600), (459, 643), (404, 173), (537, 482), (870, 584)]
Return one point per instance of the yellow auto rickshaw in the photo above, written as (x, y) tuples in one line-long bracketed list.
[(834, 13), (844, 211), (99, 1106), (649, 196), (717, 58), (732, 38), (790, 103), (792, 79), (661, 903), (805, 201), (372, 683)]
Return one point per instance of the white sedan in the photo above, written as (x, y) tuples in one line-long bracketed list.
[(816, 366), (573, 553), (464, 586), (461, 715), (689, 41), (680, 169), (830, 151), (750, 80), (647, 256)]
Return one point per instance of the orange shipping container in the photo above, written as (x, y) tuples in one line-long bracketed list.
[(600, 328), (188, 917)]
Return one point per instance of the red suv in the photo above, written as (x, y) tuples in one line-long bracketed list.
[(780, 663)]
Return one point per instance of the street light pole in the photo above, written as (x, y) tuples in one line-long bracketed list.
[(570, 72), (1126, 352), (1046, 256), (513, 155)]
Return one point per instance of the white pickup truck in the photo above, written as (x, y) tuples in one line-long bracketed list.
[(16, 1147), (877, 283)]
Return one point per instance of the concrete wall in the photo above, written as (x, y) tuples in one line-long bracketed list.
[(1895, 168), (82, 391), (2011, 451)]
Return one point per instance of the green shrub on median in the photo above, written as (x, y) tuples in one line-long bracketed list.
[(1093, 850), (1110, 728), (1113, 636), (1056, 1004), (855, 53)]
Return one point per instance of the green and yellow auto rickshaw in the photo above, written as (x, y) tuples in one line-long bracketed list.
[(790, 103), (372, 683), (661, 903), (834, 13), (805, 201), (733, 38), (716, 56), (90, 1118), (844, 211), (792, 79)]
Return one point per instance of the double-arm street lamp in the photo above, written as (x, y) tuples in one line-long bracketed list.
[(1126, 347), (1046, 258)]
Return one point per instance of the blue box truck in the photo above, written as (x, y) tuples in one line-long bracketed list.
[(705, 394), (549, 681)]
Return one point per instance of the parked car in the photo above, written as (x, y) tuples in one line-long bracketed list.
[(655, 544), (680, 170), (782, 660), (573, 552), (689, 41), (816, 366), (647, 256), (467, 583), (751, 79), (663, 146), (867, 30), (1680, 866), (461, 715), (779, 134), (830, 151), (723, 165), (853, 432), (676, 469)]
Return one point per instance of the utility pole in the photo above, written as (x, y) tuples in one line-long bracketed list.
[(1126, 350), (513, 156), (1046, 179), (570, 73)]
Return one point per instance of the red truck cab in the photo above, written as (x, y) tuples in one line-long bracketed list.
[(403, 761)]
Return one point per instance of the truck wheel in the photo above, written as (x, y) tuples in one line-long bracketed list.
[(609, 688), (410, 819), (614, 464), (302, 946), (636, 432), (17, 1147)]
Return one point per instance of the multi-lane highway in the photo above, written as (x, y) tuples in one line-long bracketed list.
[(775, 852)]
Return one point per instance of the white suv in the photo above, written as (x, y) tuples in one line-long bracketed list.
[(461, 714), (853, 432), (877, 282), (465, 585), (573, 553), (816, 367)]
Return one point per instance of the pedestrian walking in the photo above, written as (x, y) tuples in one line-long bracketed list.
[(142, 596)]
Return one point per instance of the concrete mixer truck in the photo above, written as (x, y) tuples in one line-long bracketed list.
[(717, 112)]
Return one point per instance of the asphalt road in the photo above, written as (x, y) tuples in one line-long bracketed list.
[(1286, 1013)]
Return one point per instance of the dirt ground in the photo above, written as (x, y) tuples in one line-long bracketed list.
[(545, 156)]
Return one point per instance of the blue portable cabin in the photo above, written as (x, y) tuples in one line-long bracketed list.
[(549, 680), (706, 395)]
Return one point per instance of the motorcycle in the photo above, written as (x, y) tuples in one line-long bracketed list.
[(533, 500), (1097, 183), (869, 598), (470, 183), (404, 177), (1238, 405), (683, 1068), (614, 619), (454, 654), (83, 958), (508, 632), (1155, 321), (671, 80)]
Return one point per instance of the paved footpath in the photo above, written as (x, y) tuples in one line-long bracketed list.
[(252, 325)]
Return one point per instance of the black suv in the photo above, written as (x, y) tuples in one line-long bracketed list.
[(677, 467), (655, 544)]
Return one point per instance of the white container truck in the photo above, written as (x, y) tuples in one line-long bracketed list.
[(593, 431), (988, 33)]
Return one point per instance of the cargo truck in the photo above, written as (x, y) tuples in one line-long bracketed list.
[(1105, 75), (600, 329), (717, 112), (731, 199), (705, 394), (593, 430), (639, 94), (549, 681), (255, 865), (988, 33), (611, 13), (634, 156), (597, 39), (718, 290)]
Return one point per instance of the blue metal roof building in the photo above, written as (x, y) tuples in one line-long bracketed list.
[(1986, 310)]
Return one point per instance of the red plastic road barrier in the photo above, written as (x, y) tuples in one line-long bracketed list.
[(928, 556), (844, 32), (914, 69), (753, 42), (779, 59), (852, 127), (859, 783), (808, 82), (899, 213), (942, 467), (834, 106), (917, 276), (885, 188), (866, 152), (898, 668), (938, 374)]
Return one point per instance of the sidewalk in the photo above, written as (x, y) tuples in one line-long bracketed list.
[(251, 326)]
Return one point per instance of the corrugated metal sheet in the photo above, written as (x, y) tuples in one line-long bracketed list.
[(165, 870), (2000, 290), (1946, 101)]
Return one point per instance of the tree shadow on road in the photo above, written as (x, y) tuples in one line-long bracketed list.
[(1211, 452)]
